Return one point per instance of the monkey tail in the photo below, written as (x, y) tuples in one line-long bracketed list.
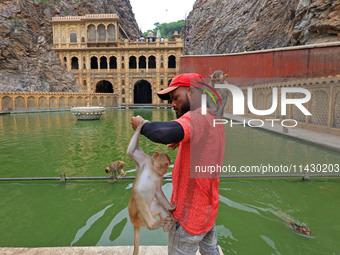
[(136, 240)]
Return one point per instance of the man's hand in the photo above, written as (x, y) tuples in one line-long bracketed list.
[(136, 121)]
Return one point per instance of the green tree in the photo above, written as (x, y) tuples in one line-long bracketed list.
[(166, 29)]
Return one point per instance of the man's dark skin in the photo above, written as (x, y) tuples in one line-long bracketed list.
[(182, 99)]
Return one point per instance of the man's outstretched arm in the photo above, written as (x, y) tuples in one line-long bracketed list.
[(163, 132)]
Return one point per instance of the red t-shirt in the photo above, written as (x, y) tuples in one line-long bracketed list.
[(197, 198)]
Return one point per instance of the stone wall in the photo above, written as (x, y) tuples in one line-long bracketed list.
[(324, 104), (10, 101)]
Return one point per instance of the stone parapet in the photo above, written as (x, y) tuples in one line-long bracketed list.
[(10, 101)]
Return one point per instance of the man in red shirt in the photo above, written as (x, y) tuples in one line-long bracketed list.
[(195, 191)]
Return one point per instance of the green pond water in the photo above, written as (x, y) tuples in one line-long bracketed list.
[(252, 212)]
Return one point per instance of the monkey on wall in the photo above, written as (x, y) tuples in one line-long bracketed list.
[(147, 198), (218, 77), (114, 167)]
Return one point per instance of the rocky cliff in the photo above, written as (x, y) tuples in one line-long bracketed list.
[(226, 26), (27, 61)]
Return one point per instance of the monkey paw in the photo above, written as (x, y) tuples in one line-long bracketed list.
[(168, 222), (172, 207)]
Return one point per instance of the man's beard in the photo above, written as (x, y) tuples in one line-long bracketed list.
[(184, 108)]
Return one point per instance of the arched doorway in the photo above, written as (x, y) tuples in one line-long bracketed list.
[(104, 87), (142, 92)]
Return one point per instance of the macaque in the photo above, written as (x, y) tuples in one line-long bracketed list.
[(301, 229), (115, 167), (298, 228), (147, 198), (218, 77)]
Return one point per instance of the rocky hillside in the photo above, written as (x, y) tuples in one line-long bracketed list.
[(27, 61), (226, 26)]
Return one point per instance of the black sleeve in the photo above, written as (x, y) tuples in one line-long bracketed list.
[(163, 132)]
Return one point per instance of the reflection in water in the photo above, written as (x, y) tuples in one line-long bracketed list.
[(237, 205), (89, 223), (124, 237), (270, 243)]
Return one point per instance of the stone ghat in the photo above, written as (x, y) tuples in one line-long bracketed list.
[(106, 250)]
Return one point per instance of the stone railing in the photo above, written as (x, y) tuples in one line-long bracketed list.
[(10, 101), (324, 104)]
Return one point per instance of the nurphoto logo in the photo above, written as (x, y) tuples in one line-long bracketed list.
[(239, 103)]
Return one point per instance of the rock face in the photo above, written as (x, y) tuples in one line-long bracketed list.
[(227, 26), (27, 61)]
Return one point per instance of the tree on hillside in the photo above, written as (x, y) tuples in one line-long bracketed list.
[(166, 29)]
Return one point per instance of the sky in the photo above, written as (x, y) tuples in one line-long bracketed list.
[(148, 12)]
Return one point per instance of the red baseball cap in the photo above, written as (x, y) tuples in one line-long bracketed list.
[(181, 80)]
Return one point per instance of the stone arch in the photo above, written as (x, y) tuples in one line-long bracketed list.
[(53, 102), (91, 33), (269, 103), (79, 101), (113, 62), (132, 62), (101, 33), (71, 102), (42, 102), (73, 36), (103, 62), (74, 63), (296, 113), (56, 36), (63, 40), (101, 101), (260, 101), (142, 92), (94, 62), (20, 103), (142, 62), (84, 82), (319, 108), (31, 103), (152, 62), (104, 86), (62, 102), (109, 101), (171, 61), (82, 36), (95, 101), (7, 103), (111, 33), (336, 119)]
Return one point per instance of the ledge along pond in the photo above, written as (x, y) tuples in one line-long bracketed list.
[(252, 212)]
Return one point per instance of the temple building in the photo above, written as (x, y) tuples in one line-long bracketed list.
[(102, 57)]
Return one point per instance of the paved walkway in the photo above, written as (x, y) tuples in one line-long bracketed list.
[(323, 139), (102, 250)]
